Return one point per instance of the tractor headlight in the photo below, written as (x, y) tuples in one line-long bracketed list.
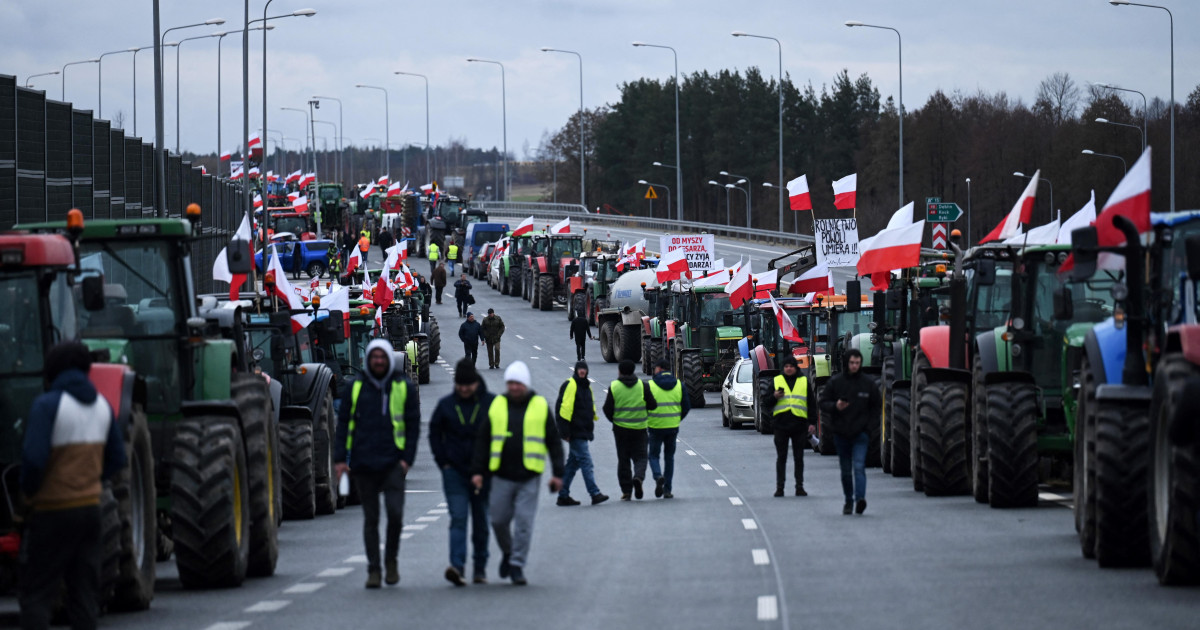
[(1016, 349), (1018, 323)]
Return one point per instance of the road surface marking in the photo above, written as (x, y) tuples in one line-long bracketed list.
[(760, 557), (706, 466), (592, 380), (442, 505), (735, 501), (269, 606), (768, 608), (356, 560), (438, 511), (304, 587), (228, 625), (555, 358), (520, 337), (427, 519), (749, 523), (415, 526), (721, 482), (690, 452), (406, 535), (336, 571), (421, 491), (537, 347)]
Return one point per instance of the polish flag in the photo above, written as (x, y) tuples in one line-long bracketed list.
[(562, 227), (896, 248), (367, 285), (382, 181), (719, 277), (740, 288), (672, 266), (766, 282), (366, 192), (235, 172), (294, 177), (272, 177), (293, 196), (1082, 218), (879, 280), (300, 204), (785, 323), (816, 280), (289, 295), (525, 227), (220, 269), (1131, 199), (639, 250), (1044, 235), (1022, 212), (258, 202), (254, 172), (339, 300), (798, 193), (394, 189), (396, 254), (844, 192), (307, 179), (226, 156), (901, 217), (353, 261), (383, 294), (255, 142)]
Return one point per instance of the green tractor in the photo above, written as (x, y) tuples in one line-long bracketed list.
[(590, 284), (513, 264), (699, 336), (334, 209), (767, 347), (214, 447)]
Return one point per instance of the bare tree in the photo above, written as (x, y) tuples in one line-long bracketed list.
[(1058, 98), (118, 119)]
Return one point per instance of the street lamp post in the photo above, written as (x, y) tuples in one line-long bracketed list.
[(100, 78), (664, 187), (135, 52), (504, 117), (582, 168), (160, 139), (1105, 121), (30, 78), (1124, 167), (387, 130), (745, 190), (1145, 107), (428, 173), (780, 46), (335, 134), (340, 145), (307, 129), (178, 53), (1171, 17), (678, 162), (900, 92), (728, 220), (63, 72), (1048, 185), (742, 179), (969, 210)]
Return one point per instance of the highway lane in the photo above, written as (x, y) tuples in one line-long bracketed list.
[(723, 554)]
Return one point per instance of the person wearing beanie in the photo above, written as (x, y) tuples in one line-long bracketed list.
[(790, 422), (453, 430), (663, 425), (627, 405), (512, 448), (576, 409), (852, 400), (438, 275), (470, 332)]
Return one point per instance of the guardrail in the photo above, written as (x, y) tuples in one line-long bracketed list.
[(530, 206)]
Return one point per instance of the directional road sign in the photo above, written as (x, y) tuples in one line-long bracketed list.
[(939, 212)]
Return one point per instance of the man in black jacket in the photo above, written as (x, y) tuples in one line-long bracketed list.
[(462, 294), (470, 332), (576, 408), (852, 400), (627, 406), (379, 423), (453, 429), (791, 422), (580, 332), (512, 448)]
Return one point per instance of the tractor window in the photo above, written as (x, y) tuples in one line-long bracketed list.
[(854, 323), (992, 303), (712, 305), (295, 225), (567, 247), (329, 193), (20, 330)]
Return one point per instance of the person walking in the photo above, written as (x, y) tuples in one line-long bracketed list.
[(512, 448), (470, 332), (576, 408), (72, 444), (385, 240), (452, 255), (790, 421), (671, 398), (628, 402), (379, 423), (348, 243), (438, 275), (493, 330), (581, 331), (852, 400), (453, 429), (462, 294), (434, 252), (364, 245)]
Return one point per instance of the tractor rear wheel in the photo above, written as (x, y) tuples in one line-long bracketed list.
[(136, 499), (943, 409), (1122, 454), (887, 375), (693, 377), (920, 363), (435, 338), (325, 424), (423, 361), (545, 292), (1084, 487), (901, 407), (1174, 484), (1012, 445), (253, 398), (607, 351), (296, 464), (210, 507), (629, 340), (762, 412)]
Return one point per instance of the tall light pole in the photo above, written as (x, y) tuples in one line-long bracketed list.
[(662, 186), (582, 168), (340, 145), (1124, 166), (780, 46), (307, 130), (1105, 121), (100, 78), (135, 52), (678, 162), (63, 72), (900, 92), (742, 180), (178, 53), (387, 130), (728, 220), (747, 191), (264, 19), (1171, 17), (969, 211), (1048, 185), (30, 78), (504, 117), (428, 173), (160, 136), (1145, 107), (335, 132)]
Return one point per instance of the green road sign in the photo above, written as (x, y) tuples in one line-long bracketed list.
[(938, 212)]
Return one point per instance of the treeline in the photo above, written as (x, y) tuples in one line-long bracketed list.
[(729, 122)]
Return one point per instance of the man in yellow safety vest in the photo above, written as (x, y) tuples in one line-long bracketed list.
[(627, 405), (434, 253), (451, 255), (576, 408), (512, 448), (790, 422), (379, 424)]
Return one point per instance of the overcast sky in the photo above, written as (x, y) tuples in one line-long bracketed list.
[(966, 45)]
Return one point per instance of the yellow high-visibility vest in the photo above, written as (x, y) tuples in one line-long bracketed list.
[(668, 413), (629, 405), (395, 408), (794, 400), (534, 450)]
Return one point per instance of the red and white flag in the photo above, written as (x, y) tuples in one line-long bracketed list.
[(288, 294), (300, 204), (766, 282), (562, 227), (339, 300), (258, 202), (1131, 199), (1082, 218), (367, 190), (235, 172), (272, 177), (798, 196), (255, 142), (220, 268), (293, 178), (226, 156), (353, 261), (525, 227), (383, 293), (785, 323), (1043, 235), (639, 250), (740, 288), (896, 248), (382, 181), (1021, 213), (672, 266), (844, 191), (393, 189), (254, 172), (816, 280), (307, 179), (293, 196)]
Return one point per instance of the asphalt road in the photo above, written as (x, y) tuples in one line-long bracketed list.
[(723, 554)]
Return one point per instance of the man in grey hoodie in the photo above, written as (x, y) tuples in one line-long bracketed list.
[(379, 424)]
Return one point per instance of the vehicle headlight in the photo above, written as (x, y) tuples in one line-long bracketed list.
[(742, 398)]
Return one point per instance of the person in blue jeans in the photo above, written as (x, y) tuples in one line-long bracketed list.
[(576, 411), (852, 399), (453, 429), (663, 425)]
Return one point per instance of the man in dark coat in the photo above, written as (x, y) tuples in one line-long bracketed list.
[(580, 332), (470, 332), (462, 294), (439, 281), (852, 399)]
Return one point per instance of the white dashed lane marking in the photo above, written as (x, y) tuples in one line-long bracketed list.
[(520, 337), (438, 511), (555, 358), (706, 466), (735, 500), (760, 556), (356, 560), (415, 526), (749, 523), (269, 606), (304, 587), (427, 519), (228, 625), (537, 347), (336, 572), (720, 482), (692, 453), (768, 608)]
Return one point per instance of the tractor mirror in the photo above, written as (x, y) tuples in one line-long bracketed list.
[(1192, 251), (985, 272), (237, 256), (1085, 246), (893, 299), (727, 318), (1064, 304), (333, 326), (93, 293), (853, 296), (880, 309)]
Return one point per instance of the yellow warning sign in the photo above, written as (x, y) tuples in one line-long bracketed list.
[(650, 194)]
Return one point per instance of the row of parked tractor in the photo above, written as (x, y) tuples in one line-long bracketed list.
[(227, 403)]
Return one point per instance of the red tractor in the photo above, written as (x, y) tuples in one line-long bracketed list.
[(552, 261)]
